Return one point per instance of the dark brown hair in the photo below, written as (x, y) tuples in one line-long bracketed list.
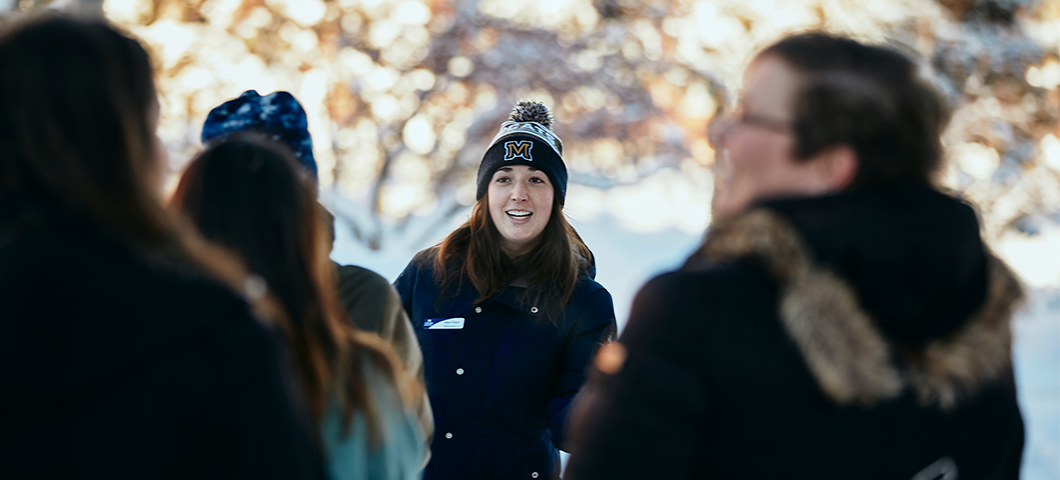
[(77, 139), (868, 97), (551, 268), (250, 195)]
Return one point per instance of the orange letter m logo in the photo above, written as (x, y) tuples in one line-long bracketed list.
[(518, 149)]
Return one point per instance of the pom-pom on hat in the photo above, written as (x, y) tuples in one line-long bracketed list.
[(526, 139), (277, 115)]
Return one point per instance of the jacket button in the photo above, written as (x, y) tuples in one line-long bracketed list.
[(533, 310), (460, 371), (448, 434), (533, 475), (478, 309)]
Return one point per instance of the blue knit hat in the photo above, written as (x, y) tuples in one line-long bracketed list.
[(526, 139), (277, 115)]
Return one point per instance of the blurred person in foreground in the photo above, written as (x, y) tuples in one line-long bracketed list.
[(251, 196), (370, 301), (508, 313), (128, 344), (842, 319)]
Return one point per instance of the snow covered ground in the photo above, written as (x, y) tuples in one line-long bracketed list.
[(1037, 358), (628, 255)]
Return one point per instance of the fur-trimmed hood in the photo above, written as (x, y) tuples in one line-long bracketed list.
[(951, 335)]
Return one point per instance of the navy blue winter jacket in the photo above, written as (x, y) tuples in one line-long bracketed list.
[(501, 385)]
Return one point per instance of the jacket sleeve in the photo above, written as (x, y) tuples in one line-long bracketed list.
[(405, 333), (408, 347), (644, 419), (374, 305), (595, 324), (259, 413)]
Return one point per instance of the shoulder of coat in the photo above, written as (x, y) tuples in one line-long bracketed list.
[(849, 356), (360, 281), (360, 275), (587, 298), (422, 262), (586, 287), (424, 259)]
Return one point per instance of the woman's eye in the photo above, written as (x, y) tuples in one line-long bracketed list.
[(503, 180), (537, 180)]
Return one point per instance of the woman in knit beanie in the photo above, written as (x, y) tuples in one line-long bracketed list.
[(250, 194), (371, 303), (508, 313)]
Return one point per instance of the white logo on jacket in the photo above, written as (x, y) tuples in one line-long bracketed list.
[(443, 323)]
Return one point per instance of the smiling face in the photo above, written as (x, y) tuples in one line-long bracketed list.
[(520, 204)]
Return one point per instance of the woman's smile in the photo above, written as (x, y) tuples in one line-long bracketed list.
[(520, 204)]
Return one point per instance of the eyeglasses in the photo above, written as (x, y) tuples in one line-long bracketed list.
[(764, 123), (740, 120)]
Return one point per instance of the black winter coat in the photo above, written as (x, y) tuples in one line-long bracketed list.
[(500, 385), (117, 367), (863, 335)]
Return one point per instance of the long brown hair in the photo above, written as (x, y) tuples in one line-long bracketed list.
[(250, 195), (551, 268), (77, 139)]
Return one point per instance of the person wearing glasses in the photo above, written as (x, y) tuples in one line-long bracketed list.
[(843, 317)]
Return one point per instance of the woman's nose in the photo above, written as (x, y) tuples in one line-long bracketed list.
[(519, 192)]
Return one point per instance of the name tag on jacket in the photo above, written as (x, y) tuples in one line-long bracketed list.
[(443, 323)]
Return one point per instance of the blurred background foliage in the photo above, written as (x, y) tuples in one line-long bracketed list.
[(403, 96)]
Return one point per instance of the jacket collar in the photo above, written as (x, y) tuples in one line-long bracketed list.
[(843, 348)]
